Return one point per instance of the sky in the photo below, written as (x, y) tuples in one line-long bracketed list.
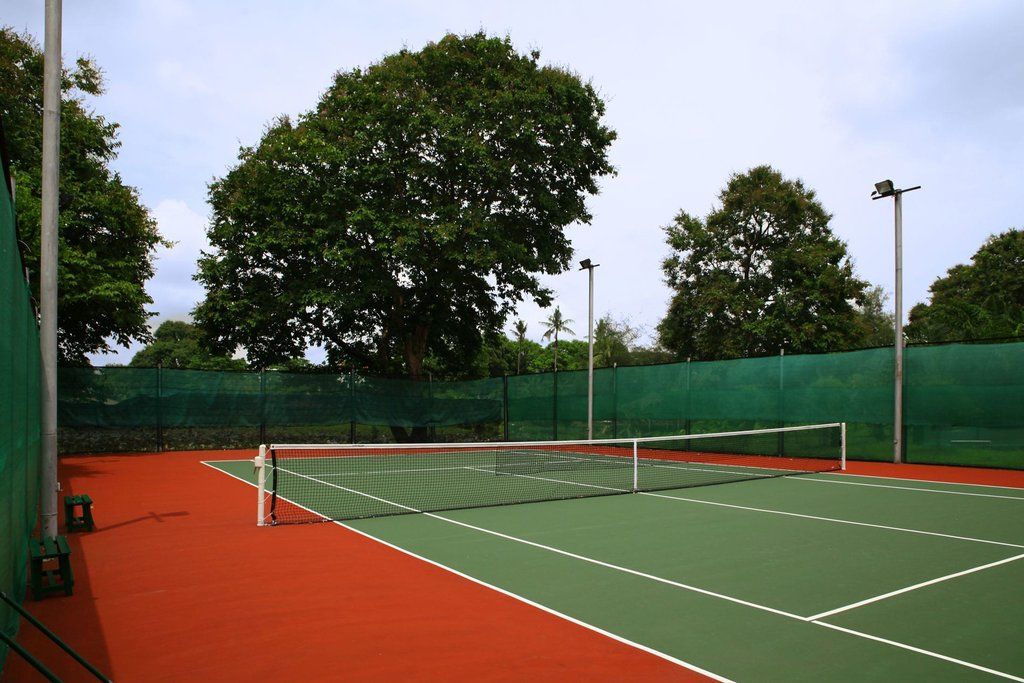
[(838, 94)]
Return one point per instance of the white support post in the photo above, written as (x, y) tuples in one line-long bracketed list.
[(261, 485), (897, 421), (636, 472), (48, 255), (842, 446)]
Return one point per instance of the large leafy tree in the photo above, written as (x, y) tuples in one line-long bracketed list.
[(982, 299), (407, 214), (180, 345), (107, 237), (759, 273)]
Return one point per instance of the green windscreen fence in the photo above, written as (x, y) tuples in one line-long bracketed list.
[(144, 409), (962, 404), (19, 418)]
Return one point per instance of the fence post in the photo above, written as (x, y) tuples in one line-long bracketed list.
[(504, 406), (430, 402), (159, 407), (615, 400), (781, 400), (554, 405), (352, 404), (688, 425), (263, 406)]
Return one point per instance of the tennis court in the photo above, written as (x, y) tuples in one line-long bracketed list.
[(824, 575)]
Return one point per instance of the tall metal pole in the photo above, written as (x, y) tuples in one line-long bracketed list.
[(48, 265), (590, 359), (885, 188), (897, 440)]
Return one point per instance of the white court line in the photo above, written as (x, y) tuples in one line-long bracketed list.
[(932, 582), (961, 662), (909, 488), (893, 643), (503, 591), (923, 481), (832, 519)]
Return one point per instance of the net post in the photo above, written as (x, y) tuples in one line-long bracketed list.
[(263, 406), (636, 472), (842, 446), (261, 484)]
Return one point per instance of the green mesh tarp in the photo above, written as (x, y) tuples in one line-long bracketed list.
[(119, 409), (962, 402), (19, 419)]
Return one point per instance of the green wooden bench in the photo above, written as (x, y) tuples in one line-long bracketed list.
[(74, 521), (51, 566)]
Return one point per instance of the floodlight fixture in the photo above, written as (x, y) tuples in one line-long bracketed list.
[(584, 264), (883, 188)]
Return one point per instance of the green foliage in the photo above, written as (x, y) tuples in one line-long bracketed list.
[(613, 342), (875, 321), (982, 299), (571, 354), (556, 324), (760, 273), (180, 346), (408, 213), (107, 238)]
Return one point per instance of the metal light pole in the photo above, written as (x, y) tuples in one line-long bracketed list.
[(48, 267), (585, 264), (885, 188)]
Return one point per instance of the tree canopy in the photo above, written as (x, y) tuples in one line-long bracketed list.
[(761, 272), (180, 346), (979, 300), (107, 237), (874, 319), (408, 213)]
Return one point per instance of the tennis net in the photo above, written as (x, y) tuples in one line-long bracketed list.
[(319, 482)]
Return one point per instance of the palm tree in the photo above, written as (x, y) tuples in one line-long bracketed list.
[(520, 329), (553, 326)]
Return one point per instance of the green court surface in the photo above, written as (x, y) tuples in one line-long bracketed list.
[(813, 577)]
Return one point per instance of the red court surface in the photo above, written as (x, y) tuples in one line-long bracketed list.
[(178, 583)]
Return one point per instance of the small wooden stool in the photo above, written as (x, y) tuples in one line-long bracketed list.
[(75, 522), (47, 579)]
